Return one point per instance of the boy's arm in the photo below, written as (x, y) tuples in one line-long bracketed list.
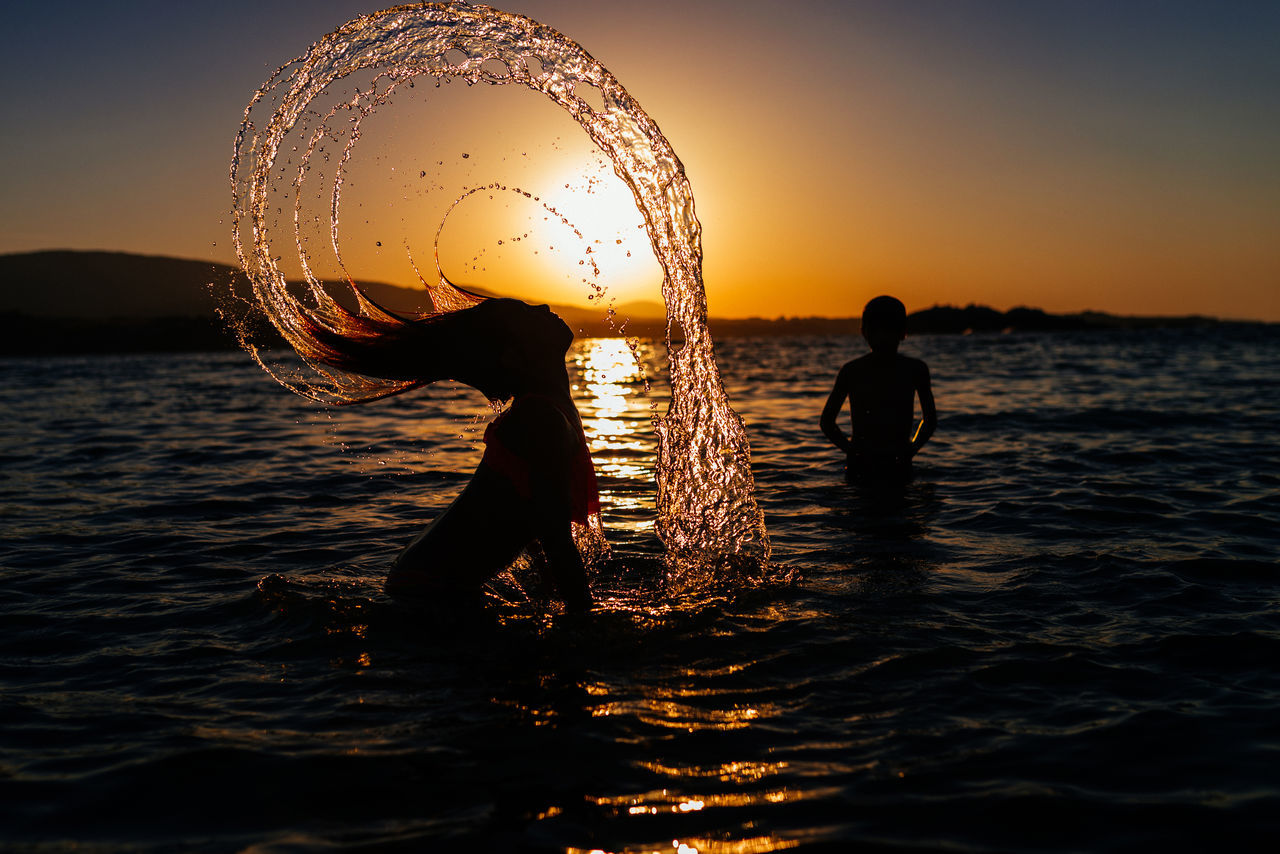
[(831, 411), (928, 412)]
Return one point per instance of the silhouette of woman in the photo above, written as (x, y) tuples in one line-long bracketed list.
[(535, 479)]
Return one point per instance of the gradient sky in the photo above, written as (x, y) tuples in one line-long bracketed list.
[(1117, 156)]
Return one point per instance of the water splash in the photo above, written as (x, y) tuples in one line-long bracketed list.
[(706, 505)]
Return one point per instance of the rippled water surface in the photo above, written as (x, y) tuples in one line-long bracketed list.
[(1062, 636)]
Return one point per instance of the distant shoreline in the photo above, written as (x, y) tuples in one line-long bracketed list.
[(24, 335), (64, 302)]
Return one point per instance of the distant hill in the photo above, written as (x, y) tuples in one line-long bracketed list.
[(98, 285), (68, 301), (104, 285)]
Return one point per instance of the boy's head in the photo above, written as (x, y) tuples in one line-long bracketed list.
[(884, 323)]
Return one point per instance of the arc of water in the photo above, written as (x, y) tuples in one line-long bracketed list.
[(705, 488)]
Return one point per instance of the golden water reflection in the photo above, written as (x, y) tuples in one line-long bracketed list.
[(728, 772), (612, 390), (751, 845)]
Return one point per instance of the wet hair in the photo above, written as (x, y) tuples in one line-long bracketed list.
[(462, 345), (885, 315), (378, 347)]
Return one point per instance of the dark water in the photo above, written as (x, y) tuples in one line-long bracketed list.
[(1062, 636)]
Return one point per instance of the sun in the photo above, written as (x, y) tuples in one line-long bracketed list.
[(566, 232), (601, 243)]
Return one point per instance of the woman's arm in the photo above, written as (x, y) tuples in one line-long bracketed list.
[(564, 565)]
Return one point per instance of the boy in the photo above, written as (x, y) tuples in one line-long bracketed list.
[(881, 387)]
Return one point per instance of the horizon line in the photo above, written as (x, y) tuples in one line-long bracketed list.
[(591, 307)]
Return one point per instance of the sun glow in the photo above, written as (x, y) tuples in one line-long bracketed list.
[(574, 238), (605, 243)]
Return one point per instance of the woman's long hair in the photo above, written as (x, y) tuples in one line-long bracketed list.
[(364, 352)]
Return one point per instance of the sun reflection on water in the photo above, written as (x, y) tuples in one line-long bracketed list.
[(750, 845), (616, 401), (727, 772)]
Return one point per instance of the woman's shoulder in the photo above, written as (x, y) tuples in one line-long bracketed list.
[(540, 408), (536, 420)]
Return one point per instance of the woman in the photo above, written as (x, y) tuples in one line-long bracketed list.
[(535, 479)]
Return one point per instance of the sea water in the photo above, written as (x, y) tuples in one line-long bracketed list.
[(1061, 636)]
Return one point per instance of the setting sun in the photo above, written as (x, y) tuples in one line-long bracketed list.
[(613, 249)]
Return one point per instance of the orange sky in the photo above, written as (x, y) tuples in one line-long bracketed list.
[(1070, 156)]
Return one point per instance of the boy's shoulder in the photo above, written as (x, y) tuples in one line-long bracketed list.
[(853, 367), (872, 365), (857, 364), (871, 360), (917, 367)]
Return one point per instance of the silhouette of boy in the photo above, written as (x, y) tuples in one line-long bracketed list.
[(881, 387)]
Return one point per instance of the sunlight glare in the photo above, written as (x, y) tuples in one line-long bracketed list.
[(613, 240), (616, 405), (609, 370), (613, 414)]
